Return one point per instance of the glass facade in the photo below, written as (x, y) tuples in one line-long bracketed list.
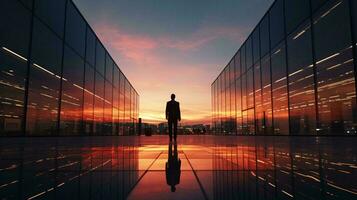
[(56, 77), (294, 75)]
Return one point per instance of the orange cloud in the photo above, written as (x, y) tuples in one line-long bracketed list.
[(146, 62)]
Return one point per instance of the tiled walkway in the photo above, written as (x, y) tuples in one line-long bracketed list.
[(212, 167)]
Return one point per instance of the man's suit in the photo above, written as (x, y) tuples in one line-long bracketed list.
[(173, 115)]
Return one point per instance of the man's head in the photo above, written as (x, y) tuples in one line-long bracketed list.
[(173, 96)]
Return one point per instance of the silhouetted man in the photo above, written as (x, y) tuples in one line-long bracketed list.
[(173, 115), (173, 168)]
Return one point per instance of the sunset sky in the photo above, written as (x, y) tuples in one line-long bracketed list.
[(167, 46)]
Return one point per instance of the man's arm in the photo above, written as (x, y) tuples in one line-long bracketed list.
[(166, 111), (179, 112)]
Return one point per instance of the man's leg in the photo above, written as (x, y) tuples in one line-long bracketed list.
[(170, 129), (175, 129)]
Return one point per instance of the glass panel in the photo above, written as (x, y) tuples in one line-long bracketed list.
[(237, 65), (121, 104), (335, 71), (256, 45), (127, 108), (88, 103), (108, 108), (109, 68), (75, 29), (222, 103), (249, 53), (239, 106), (72, 94), (264, 35), (116, 110), (354, 15), (258, 99), (98, 104), (217, 106), (244, 91), (276, 23), (115, 122), (317, 3), (231, 72), (90, 47), (250, 88), (280, 95), (233, 120), (52, 13), (44, 81), (227, 102), (267, 126), (14, 41), (100, 58), (116, 77), (354, 21), (295, 13), (27, 3), (243, 59), (301, 82), (250, 122)]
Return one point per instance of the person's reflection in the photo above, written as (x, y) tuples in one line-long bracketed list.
[(173, 168)]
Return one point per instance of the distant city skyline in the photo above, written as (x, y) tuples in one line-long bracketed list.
[(151, 39)]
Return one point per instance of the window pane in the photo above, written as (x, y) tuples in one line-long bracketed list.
[(14, 41), (121, 105), (27, 3), (98, 104), (115, 118), (44, 82), (244, 91), (317, 3), (100, 58), (249, 53), (90, 47), (266, 97), (232, 119), (280, 95), (108, 108), (109, 68), (256, 45), (88, 102), (243, 59), (295, 13), (250, 102), (301, 82), (334, 65), (354, 15), (258, 99), (72, 94), (231, 72), (75, 29), (239, 106), (127, 108), (116, 77), (237, 65), (264, 36), (250, 88), (276, 23), (52, 13)]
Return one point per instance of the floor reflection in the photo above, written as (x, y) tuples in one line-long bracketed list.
[(197, 167), (173, 167)]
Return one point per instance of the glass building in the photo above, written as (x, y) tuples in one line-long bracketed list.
[(56, 77), (294, 75)]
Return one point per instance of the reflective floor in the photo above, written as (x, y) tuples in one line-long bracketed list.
[(197, 167)]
